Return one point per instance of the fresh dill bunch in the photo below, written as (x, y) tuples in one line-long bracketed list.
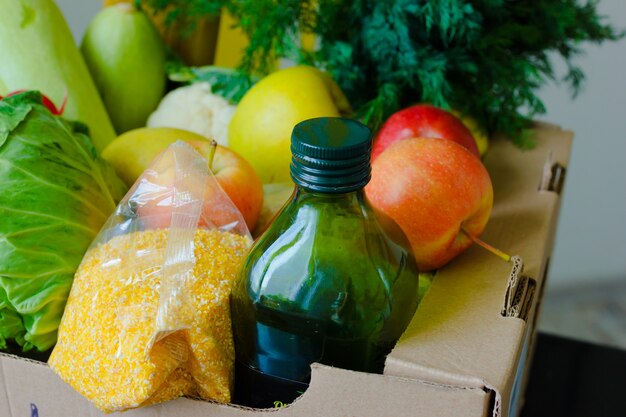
[(484, 58)]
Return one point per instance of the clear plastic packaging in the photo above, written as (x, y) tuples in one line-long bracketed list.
[(148, 316)]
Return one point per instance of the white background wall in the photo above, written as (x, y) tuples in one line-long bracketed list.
[(78, 13), (591, 240)]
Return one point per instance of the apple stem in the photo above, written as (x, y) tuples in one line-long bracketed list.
[(211, 155), (485, 245)]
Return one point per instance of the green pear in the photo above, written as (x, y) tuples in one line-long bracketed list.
[(126, 58)]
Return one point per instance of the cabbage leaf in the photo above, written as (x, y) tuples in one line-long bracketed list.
[(55, 194)]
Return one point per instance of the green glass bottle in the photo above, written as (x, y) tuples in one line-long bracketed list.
[(323, 283)]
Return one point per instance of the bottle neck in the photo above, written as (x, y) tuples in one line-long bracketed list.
[(304, 193)]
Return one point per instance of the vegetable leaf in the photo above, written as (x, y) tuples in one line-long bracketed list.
[(485, 58), (56, 194), (226, 82)]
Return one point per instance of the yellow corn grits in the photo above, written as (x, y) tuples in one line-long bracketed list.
[(105, 349)]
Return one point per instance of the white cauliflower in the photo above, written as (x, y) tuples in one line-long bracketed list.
[(196, 109)]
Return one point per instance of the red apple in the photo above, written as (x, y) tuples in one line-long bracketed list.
[(232, 197), (437, 192), (426, 121), (239, 181), (133, 152)]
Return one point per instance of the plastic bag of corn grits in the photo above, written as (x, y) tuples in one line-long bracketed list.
[(148, 319)]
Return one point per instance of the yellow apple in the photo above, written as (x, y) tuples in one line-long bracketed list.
[(132, 152), (261, 127)]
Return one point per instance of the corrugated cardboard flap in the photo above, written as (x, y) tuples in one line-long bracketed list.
[(459, 335), (34, 390)]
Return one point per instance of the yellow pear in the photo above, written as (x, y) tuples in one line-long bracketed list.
[(480, 135), (261, 127)]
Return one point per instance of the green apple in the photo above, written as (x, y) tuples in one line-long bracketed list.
[(261, 127)]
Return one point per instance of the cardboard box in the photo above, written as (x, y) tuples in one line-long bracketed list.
[(466, 351)]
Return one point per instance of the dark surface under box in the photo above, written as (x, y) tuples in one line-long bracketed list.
[(570, 378)]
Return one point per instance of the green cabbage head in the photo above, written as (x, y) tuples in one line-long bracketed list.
[(55, 194)]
